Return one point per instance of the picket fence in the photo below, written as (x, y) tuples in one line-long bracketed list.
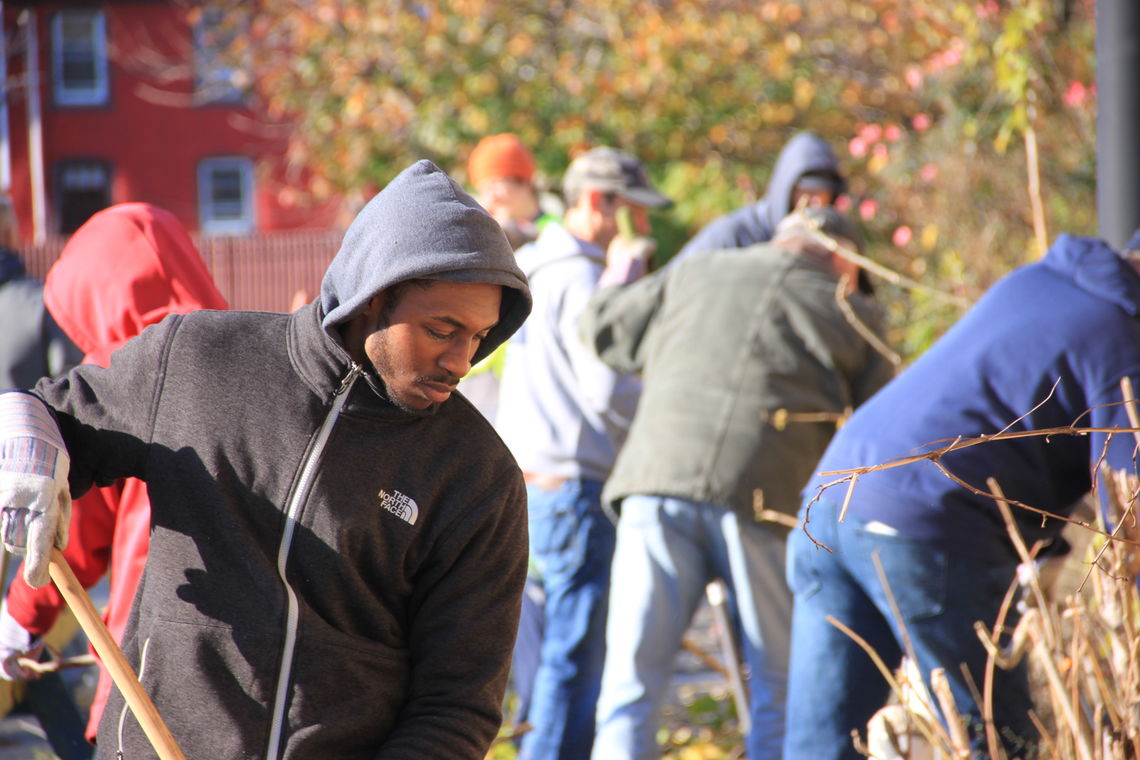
[(264, 272)]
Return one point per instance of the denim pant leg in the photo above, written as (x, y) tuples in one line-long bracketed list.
[(54, 706), (660, 572), (754, 572), (940, 597), (572, 543), (833, 685), (528, 646)]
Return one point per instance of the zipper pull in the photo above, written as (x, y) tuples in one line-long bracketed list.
[(349, 379)]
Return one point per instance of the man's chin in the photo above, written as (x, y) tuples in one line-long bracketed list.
[(417, 404)]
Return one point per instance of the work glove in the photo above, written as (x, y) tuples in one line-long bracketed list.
[(35, 503), (627, 260), (16, 644)]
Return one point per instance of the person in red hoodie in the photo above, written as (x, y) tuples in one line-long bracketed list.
[(127, 268)]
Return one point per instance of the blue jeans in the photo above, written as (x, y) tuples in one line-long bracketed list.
[(528, 646), (834, 687), (572, 545), (668, 550)]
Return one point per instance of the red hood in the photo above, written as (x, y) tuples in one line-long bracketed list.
[(127, 268)]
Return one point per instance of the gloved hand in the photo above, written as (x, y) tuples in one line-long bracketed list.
[(35, 503), (15, 644), (627, 260)]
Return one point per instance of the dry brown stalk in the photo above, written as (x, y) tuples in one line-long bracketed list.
[(852, 474), (958, 736), (1033, 170), (1027, 558), (861, 327), (886, 273)]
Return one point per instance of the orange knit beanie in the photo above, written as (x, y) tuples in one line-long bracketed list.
[(500, 156)]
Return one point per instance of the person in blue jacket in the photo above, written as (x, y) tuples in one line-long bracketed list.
[(806, 172), (1046, 347)]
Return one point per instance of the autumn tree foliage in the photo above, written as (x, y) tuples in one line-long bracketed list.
[(967, 126)]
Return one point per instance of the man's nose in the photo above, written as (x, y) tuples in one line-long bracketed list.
[(457, 358)]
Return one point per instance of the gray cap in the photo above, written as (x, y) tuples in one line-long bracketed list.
[(612, 171), (826, 219)]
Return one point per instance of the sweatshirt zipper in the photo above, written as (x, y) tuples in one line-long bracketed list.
[(300, 493)]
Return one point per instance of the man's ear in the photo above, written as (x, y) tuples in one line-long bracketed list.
[(376, 304), (595, 200)]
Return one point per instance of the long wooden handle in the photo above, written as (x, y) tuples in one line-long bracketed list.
[(113, 658)]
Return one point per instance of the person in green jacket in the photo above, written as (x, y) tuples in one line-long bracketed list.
[(748, 362)]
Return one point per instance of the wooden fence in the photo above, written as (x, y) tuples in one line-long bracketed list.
[(261, 272)]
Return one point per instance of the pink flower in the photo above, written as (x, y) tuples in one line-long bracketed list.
[(1075, 95), (921, 122), (913, 77), (902, 236), (892, 133), (871, 133), (867, 209), (857, 148), (843, 203), (928, 172), (986, 9)]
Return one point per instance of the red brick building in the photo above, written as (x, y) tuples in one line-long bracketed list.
[(108, 102)]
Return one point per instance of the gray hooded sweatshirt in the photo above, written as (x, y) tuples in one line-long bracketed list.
[(805, 153), (330, 576)]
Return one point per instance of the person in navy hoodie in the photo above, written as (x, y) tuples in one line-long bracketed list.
[(806, 173), (1046, 347)]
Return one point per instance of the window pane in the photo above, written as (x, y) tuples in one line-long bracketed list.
[(79, 59), (227, 194)]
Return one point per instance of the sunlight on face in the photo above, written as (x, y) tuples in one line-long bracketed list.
[(430, 338)]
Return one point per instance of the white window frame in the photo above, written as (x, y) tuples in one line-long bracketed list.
[(80, 96), (209, 220)]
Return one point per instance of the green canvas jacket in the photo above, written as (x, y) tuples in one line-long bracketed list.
[(734, 348)]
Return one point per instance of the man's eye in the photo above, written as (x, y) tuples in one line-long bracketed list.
[(437, 335)]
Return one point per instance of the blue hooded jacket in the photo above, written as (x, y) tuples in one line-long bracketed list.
[(1046, 347), (805, 153)]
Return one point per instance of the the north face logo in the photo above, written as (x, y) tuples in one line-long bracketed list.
[(401, 506)]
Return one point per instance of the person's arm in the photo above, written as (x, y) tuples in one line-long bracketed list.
[(88, 553), (29, 613), (608, 393), (464, 616), (614, 322), (35, 502), (91, 426)]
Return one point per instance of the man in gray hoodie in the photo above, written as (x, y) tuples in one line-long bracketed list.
[(564, 415), (806, 172), (339, 541)]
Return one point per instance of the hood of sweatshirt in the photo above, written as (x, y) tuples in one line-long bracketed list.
[(422, 225), (806, 152), (1096, 268), (126, 268)]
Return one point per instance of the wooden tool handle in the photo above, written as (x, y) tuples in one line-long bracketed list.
[(125, 679)]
